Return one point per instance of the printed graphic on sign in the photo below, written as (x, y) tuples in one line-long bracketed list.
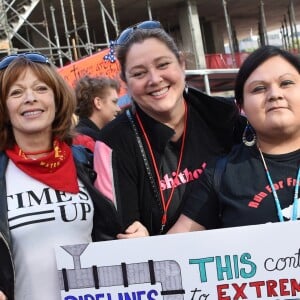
[(228, 264), (166, 273)]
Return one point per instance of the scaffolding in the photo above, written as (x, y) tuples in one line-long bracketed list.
[(19, 34), (65, 30)]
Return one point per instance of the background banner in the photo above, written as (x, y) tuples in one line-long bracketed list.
[(251, 262), (93, 65)]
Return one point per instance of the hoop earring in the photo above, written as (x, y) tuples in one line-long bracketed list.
[(186, 88), (249, 136)]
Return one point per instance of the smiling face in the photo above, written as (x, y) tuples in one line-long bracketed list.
[(31, 107), (272, 99), (155, 78)]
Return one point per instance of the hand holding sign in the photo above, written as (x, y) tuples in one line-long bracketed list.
[(136, 229), (2, 296)]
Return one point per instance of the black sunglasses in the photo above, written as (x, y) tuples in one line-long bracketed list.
[(32, 56), (125, 34)]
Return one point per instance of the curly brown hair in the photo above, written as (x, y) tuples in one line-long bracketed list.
[(87, 88)]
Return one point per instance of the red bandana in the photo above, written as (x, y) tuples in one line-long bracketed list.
[(57, 169)]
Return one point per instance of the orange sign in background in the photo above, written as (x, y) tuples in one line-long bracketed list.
[(93, 65)]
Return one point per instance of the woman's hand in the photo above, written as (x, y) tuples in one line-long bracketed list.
[(136, 229), (2, 296), (185, 224)]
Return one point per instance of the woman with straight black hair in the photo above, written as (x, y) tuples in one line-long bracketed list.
[(258, 182)]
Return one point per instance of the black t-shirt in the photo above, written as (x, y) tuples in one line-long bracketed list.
[(200, 149), (244, 196), (172, 187)]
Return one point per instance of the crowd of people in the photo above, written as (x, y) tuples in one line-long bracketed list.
[(167, 164)]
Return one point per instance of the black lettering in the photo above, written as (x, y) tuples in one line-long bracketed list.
[(283, 263), (200, 295), (60, 195), (33, 197), (64, 214), (83, 195), (86, 208)]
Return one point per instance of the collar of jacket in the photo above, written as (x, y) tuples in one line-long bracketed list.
[(86, 122), (3, 197), (88, 127), (7, 272), (213, 109)]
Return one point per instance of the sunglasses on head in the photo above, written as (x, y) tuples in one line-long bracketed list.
[(125, 34), (32, 56)]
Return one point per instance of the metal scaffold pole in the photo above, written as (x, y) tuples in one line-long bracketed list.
[(287, 32), (5, 25), (113, 20), (116, 23), (66, 28), (263, 24), (89, 45), (56, 36), (104, 25), (229, 31), (294, 23), (76, 42), (149, 9), (47, 29)]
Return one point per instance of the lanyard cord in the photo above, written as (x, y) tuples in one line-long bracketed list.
[(276, 199), (165, 204)]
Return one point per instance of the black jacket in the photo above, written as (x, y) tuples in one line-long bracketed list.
[(105, 226), (87, 127), (214, 125)]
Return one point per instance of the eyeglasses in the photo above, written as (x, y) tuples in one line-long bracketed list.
[(32, 56), (125, 34)]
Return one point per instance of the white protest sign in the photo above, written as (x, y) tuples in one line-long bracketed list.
[(251, 262)]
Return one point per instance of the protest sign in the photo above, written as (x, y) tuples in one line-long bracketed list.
[(93, 65), (251, 262)]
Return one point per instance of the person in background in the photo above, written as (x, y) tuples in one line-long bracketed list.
[(97, 104), (151, 153), (259, 181), (47, 194)]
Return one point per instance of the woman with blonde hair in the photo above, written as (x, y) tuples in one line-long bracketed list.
[(47, 193)]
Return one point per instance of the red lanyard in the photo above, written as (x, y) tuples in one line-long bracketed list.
[(165, 204)]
